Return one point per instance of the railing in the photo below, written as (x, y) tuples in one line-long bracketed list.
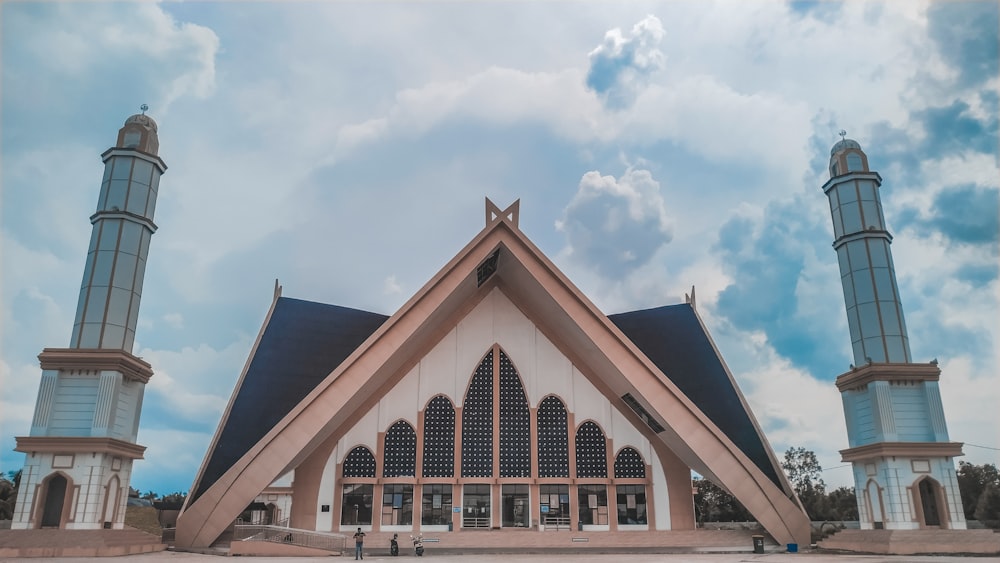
[(475, 522), (556, 522), (293, 536)]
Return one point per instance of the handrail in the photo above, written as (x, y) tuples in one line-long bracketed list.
[(292, 536)]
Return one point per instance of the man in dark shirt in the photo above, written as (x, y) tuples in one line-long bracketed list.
[(359, 543)]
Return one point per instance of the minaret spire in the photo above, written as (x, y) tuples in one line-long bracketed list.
[(83, 434), (904, 473)]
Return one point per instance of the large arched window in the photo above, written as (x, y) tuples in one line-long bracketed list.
[(591, 451), (359, 463), (399, 458), (515, 423), (439, 438), (477, 422), (553, 439), (629, 464), (854, 162)]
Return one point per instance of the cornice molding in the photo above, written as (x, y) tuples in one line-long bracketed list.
[(866, 374), (77, 444), (96, 359), (902, 449)]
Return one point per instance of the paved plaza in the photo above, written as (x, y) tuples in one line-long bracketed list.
[(804, 557)]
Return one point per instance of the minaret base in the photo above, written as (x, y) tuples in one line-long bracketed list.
[(74, 483), (907, 486)]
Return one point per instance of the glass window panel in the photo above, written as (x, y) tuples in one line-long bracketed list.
[(95, 304), (868, 317), (883, 284), (845, 265), (878, 250), (151, 204), (838, 225), (122, 168), (137, 199), (133, 313), (397, 505), (852, 321), (854, 162), (592, 505), (863, 290), (851, 216), (848, 284), (116, 195), (90, 336), (867, 190), (631, 500), (114, 336), (436, 505), (871, 215), (858, 254), (108, 234), (890, 321), (897, 351), (129, 339), (124, 271), (874, 350), (356, 508), (846, 194), (118, 306), (142, 171)]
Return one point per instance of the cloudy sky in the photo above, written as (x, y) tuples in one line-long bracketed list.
[(653, 146)]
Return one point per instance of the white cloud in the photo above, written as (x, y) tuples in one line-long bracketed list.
[(620, 66), (616, 225)]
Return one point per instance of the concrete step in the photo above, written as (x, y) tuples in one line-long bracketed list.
[(76, 543), (914, 542)]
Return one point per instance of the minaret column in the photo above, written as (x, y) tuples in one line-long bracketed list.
[(83, 434), (896, 432)]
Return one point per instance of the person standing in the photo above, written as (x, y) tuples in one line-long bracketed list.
[(359, 544)]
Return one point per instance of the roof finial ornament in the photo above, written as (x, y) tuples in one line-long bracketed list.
[(144, 107), (843, 135)]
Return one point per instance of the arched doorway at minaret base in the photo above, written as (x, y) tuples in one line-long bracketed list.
[(930, 504), (53, 504)]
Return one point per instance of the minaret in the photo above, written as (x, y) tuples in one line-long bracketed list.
[(79, 455), (904, 473)]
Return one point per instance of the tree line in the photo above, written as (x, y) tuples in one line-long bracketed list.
[(979, 486)]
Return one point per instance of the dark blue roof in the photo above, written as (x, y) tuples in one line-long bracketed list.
[(303, 342), (673, 338)]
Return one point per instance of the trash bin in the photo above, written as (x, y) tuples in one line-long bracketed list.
[(758, 544), (793, 548)]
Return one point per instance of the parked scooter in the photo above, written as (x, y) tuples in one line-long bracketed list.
[(394, 545), (418, 544)]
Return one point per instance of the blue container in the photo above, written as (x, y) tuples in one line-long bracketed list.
[(793, 548)]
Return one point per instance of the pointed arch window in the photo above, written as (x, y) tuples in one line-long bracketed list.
[(591, 451), (553, 439), (515, 423), (400, 456), (359, 463), (439, 438), (854, 162), (629, 464), (477, 422)]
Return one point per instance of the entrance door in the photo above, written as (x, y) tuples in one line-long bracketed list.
[(55, 498), (476, 506), (554, 506), (928, 501), (515, 506)]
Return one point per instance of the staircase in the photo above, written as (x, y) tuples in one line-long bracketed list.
[(76, 543), (913, 542)]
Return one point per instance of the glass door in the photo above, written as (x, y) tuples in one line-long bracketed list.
[(515, 506), (476, 506)]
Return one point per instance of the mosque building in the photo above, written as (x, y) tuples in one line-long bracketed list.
[(497, 397)]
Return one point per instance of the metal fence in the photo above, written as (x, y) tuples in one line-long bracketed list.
[(293, 536)]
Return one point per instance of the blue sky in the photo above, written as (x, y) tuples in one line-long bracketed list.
[(654, 146)]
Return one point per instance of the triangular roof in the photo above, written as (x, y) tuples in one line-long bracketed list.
[(502, 257)]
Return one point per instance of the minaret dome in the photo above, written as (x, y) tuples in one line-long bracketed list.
[(139, 133), (846, 156)]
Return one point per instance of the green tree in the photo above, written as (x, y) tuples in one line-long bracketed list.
[(712, 503), (8, 496), (803, 471), (988, 507), (973, 480), (843, 504)]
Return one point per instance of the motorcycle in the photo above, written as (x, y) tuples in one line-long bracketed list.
[(418, 544), (394, 545)]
